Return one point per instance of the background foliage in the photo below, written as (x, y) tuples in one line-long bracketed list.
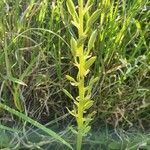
[(35, 57)]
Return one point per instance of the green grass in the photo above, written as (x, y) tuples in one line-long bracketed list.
[(36, 55)]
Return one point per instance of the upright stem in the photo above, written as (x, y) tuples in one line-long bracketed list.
[(80, 79)]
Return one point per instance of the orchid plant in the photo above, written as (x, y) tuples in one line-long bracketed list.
[(81, 49)]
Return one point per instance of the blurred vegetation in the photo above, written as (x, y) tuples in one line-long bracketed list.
[(35, 57)]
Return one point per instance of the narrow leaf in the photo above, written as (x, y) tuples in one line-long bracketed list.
[(86, 130), (75, 24), (72, 11), (90, 62), (88, 105), (68, 94), (70, 78), (73, 43), (81, 40), (71, 112), (92, 19), (86, 9), (73, 130), (8, 128), (88, 6), (93, 80), (89, 2), (36, 124), (15, 80), (92, 40)]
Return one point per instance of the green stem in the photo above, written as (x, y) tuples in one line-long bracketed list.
[(79, 141), (80, 114), (81, 87)]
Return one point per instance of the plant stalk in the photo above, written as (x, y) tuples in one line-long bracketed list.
[(80, 80)]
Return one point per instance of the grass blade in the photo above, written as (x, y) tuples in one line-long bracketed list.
[(35, 123)]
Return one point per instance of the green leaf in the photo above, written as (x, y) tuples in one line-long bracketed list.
[(8, 128), (73, 130), (86, 130), (43, 8), (68, 94), (90, 62), (15, 80), (88, 105), (89, 2), (71, 112), (92, 19), (87, 9), (72, 11), (17, 99), (75, 24), (88, 6), (92, 40), (93, 80), (81, 40), (76, 103), (36, 124), (91, 115), (73, 43), (70, 78)]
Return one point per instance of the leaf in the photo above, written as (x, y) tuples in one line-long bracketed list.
[(92, 40), (88, 3), (73, 130), (83, 71), (86, 99), (68, 94), (72, 11), (17, 100), (90, 62), (15, 80), (86, 9), (8, 128), (71, 112), (36, 124), (86, 130), (75, 24), (92, 19), (90, 86), (42, 10), (70, 78), (93, 80), (88, 6), (76, 103), (91, 115), (73, 43), (88, 105), (81, 40)]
